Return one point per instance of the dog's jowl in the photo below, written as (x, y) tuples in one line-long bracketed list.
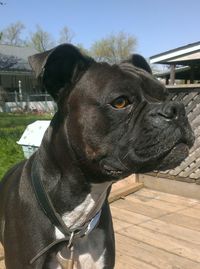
[(112, 120)]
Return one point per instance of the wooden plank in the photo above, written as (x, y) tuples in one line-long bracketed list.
[(183, 221), (121, 265), (189, 97), (131, 262), (195, 121), (183, 86), (118, 224), (194, 153), (127, 216), (122, 192), (124, 182), (178, 247), (173, 230), (194, 108), (179, 97), (191, 167), (197, 206), (170, 198), (191, 106), (172, 74), (142, 209), (184, 165), (196, 174), (164, 205), (152, 255), (190, 212), (171, 177)]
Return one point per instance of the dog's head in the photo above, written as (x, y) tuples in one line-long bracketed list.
[(115, 117)]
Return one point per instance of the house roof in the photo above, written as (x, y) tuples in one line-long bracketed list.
[(20, 54), (184, 55)]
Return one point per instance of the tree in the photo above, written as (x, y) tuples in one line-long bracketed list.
[(114, 48), (82, 49), (7, 62), (12, 34), (66, 35), (41, 40)]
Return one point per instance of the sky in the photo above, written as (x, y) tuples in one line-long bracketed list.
[(158, 25)]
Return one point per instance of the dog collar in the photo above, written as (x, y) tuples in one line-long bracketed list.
[(73, 236), (55, 218)]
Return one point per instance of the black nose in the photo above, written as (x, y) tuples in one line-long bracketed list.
[(172, 111)]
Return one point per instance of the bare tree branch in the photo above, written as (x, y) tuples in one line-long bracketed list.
[(41, 40), (7, 62), (114, 48), (66, 35), (11, 34)]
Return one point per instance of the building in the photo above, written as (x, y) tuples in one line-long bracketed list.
[(15, 70), (19, 89), (183, 63)]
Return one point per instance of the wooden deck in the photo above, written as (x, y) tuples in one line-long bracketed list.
[(155, 230)]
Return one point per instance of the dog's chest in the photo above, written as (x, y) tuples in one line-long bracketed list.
[(84, 249), (75, 218), (79, 216)]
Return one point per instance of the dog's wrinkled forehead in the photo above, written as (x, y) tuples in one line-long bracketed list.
[(151, 87)]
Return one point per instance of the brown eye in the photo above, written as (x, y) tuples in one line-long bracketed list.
[(120, 102)]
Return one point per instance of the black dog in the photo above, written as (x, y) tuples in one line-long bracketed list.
[(111, 121)]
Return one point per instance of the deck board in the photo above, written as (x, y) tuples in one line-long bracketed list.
[(163, 231), (161, 241), (155, 230), (150, 254)]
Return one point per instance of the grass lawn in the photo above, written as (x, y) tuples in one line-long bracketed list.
[(11, 129)]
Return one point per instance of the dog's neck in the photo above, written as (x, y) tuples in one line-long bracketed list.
[(74, 198)]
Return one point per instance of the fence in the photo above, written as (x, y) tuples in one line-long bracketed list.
[(188, 170), (16, 101)]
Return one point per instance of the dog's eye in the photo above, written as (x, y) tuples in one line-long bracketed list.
[(120, 102)]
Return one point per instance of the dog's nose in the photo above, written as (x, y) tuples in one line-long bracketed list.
[(172, 111)]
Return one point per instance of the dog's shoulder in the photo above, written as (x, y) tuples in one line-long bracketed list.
[(10, 179), (13, 170)]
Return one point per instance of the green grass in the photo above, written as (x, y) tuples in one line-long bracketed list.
[(11, 129), (10, 120)]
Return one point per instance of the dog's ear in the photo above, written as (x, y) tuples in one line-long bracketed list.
[(139, 61), (57, 67)]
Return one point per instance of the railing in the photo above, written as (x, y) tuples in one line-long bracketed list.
[(188, 170), (17, 97), (15, 101)]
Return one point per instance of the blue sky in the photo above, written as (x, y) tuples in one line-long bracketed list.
[(158, 25)]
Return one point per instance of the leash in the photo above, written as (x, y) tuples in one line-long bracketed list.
[(69, 235)]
